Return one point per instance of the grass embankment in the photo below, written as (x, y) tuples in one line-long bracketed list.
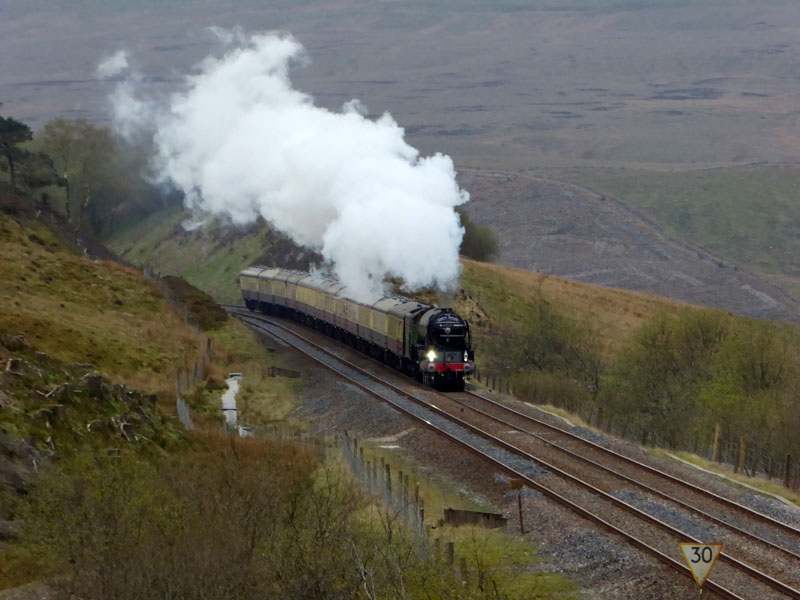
[(501, 297), (769, 487), (209, 258), (79, 310)]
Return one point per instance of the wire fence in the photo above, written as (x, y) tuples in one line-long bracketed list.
[(186, 376), (395, 490), (738, 453), (494, 382)]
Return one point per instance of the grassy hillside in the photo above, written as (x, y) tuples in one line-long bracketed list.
[(507, 294), (96, 315), (80, 310), (211, 260), (209, 257)]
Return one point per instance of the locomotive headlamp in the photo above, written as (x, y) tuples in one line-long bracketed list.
[(431, 355)]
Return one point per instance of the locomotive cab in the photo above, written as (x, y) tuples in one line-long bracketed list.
[(445, 356)]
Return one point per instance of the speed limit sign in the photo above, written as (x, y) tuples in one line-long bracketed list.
[(701, 559)]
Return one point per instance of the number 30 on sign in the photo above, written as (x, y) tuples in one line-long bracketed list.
[(701, 559)]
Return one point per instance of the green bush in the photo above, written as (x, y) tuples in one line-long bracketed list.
[(201, 306), (480, 241), (682, 376)]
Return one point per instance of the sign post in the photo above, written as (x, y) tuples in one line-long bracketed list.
[(701, 559)]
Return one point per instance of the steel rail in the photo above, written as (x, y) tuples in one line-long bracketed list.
[(730, 503), (735, 505), (643, 486), (725, 593)]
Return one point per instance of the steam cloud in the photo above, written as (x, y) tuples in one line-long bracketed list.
[(113, 65), (240, 141)]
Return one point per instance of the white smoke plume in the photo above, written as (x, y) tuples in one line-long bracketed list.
[(239, 140), (113, 65)]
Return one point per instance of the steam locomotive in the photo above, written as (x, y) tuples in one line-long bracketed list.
[(427, 342)]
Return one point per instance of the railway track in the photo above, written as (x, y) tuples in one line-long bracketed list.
[(786, 537), (772, 562), (467, 420)]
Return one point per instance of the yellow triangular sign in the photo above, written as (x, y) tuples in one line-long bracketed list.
[(701, 559)]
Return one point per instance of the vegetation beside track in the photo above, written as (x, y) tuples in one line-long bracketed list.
[(587, 349), (663, 373)]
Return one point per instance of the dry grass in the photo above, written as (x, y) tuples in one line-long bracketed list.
[(504, 293), (80, 310), (773, 487)]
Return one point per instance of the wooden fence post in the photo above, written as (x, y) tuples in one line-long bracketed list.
[(741, 455), (400, 495), (787, 475), (715, 450)]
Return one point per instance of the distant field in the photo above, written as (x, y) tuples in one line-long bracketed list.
[(506, 84), (749, 216)]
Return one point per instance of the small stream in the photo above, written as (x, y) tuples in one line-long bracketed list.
[(229, 405)]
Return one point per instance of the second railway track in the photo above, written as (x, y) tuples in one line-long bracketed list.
[(496, 438)]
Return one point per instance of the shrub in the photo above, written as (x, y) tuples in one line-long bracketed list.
[(480, 241)]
